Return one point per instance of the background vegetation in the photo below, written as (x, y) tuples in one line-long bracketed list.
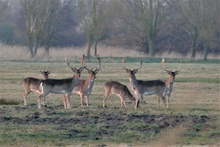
[(188, 27)]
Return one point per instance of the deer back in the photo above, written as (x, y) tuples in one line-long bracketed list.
[(31, 84)]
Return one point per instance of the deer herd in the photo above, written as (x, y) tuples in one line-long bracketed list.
[(83, 87)]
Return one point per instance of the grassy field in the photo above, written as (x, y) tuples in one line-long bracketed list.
[(193, 118)]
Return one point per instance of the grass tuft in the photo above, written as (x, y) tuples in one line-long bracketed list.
[(8, 102)]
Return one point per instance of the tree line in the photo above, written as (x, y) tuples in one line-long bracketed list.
[(151, 26)]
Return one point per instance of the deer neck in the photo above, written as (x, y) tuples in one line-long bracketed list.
[(90, 82), (133, 83), (169, 82)]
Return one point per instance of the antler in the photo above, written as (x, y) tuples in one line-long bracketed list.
[(129, 69), (48, 71), (123, 63), (99, 67), (68, 64), (180, 66), (139, 67), (162, 62), (51, 67)]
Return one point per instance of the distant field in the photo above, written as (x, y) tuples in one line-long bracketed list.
[(21, 53), (192, 119)]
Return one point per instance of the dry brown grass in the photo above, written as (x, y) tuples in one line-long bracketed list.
[(21, 52)]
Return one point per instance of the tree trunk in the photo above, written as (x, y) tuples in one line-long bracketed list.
[(95, 48), (193, 49), (31, 52), (35, 49), (206, 51), (88, 51), (151, 47), (47, 51), (194, 43)]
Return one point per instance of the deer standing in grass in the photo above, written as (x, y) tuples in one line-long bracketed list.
[(31, 84), (61, 86), (158, 87), (116, 88), (141, 87), (84, 88), (169, 82)]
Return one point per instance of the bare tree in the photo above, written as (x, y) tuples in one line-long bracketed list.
[(145, 19), (201, 21), (94, 20), (43, 20), (31, 9), (56, 14)]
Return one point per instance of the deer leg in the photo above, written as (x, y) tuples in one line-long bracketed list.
[(64, 102), (26, 93), (136, 103), (123, 102), (168, 101), (42, 96), (104, 99), (103, 102), (87, 101), (39, 101), (164, 101), (81, 99), (43, 101), (68, 101), (158, 103)]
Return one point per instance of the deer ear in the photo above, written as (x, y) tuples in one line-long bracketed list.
[(169, 72), (176, 72), (127, 70)]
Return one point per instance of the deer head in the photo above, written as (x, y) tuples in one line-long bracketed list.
[(92, 72), (130, 71), (77, 71), (170, 72), (46, 73)]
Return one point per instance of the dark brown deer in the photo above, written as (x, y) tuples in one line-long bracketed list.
[(61, 86), (141, 87)]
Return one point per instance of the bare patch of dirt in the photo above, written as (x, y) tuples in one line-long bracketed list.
[(51, 116)]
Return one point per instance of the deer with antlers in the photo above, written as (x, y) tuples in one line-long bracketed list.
[(116, 88), (141, 87), (31, 84), (169, 82), (84, 88), (158, 87), (61, 86)]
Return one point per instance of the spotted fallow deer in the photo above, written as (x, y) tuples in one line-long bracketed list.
[(141, 87), (115, 88), (158, 87), (84, 88), (61, 86), (31, 84), (169, 82)]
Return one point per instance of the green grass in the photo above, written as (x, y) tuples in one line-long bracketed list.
[(195, 93)]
